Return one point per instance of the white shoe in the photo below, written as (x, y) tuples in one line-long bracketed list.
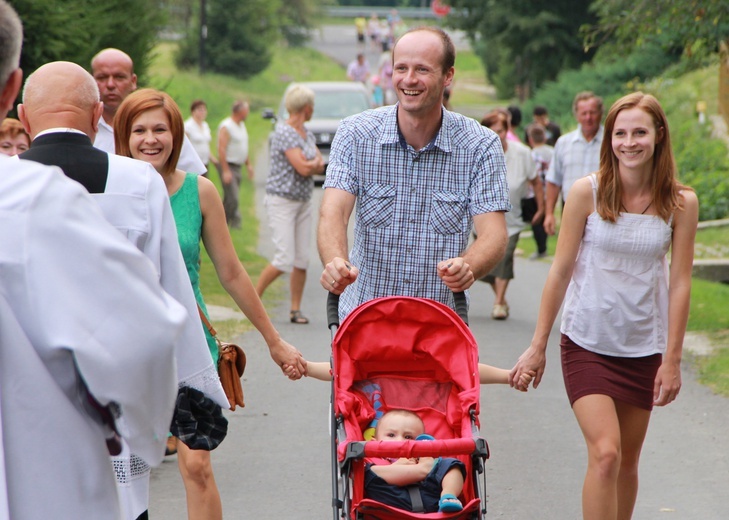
[(500, 312)]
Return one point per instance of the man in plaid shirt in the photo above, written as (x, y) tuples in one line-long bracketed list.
[(422, 178)]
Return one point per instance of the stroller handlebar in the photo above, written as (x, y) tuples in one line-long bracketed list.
[(413, 449), (333, 308)]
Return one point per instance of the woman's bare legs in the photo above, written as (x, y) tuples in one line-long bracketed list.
[(598, 420), (203, 498), (268, 275), (298, 280), (633, 428), (614, 434)]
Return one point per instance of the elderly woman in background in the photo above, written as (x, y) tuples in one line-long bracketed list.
[(14, 139), (198, 132), (294, 160)]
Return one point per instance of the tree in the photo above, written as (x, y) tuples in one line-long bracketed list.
[(75, 31), (523, 43), (688, 24), (296, 19), (240, 37)]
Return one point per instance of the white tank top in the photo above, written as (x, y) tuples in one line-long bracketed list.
[(617, 301)]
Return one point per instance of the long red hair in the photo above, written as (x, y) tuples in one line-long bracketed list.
[(665, 185)]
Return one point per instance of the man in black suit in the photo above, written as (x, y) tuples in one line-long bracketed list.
[(61, 111)]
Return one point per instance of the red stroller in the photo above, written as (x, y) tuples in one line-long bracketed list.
[(412, 354)]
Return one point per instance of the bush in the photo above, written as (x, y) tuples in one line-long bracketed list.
[(703, 165), (606, 78)]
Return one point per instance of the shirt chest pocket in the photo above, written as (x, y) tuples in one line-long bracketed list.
[(448, 213), (377, 205)]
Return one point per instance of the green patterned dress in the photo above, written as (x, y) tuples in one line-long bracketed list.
[(188, 218)]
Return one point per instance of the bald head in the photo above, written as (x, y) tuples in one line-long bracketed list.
[(113, 71), (60, 94)]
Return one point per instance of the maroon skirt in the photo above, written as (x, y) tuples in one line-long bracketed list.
[(625, 379)]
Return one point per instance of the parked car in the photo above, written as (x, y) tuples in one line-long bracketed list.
[(334, 101)]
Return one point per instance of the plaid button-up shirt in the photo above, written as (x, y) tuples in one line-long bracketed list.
[(415, 208)]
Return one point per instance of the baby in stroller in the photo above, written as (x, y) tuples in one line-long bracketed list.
[(438, 482), (404, 353)]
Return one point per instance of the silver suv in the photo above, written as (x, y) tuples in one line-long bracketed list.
[(334, 101)]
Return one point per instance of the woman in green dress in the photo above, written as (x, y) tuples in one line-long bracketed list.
[(149, 126)]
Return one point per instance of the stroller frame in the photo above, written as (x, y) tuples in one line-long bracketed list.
[(345, 454)]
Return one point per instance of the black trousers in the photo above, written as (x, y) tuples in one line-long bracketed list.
[(528, 210)]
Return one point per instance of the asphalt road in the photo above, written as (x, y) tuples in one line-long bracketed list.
[(275, 462)]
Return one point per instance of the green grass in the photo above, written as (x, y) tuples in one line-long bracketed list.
[(714, 369), (709, 304), (712, 242)]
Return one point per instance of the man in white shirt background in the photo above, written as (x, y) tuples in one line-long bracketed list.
[(232, 155), (576, 153)]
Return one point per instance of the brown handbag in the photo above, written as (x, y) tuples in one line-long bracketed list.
[(231, 365)]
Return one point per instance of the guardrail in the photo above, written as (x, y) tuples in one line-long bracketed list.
[(354, 11)]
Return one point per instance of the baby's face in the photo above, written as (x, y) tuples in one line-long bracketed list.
[(399, 428)]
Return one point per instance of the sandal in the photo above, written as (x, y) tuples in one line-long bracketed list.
[(449, 504), (297, 317)]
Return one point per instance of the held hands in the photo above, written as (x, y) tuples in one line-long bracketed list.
[(337, 275), (532, 361), (524, 379), (667, 383), (289, 358), (456, 274)]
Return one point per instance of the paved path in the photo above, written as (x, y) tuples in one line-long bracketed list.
[(275, 462)]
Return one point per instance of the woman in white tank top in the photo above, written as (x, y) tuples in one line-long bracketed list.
[(625, 311)]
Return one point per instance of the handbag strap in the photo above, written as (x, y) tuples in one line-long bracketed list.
[(204, 319)]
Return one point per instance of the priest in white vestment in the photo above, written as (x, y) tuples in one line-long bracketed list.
[(83, 319)]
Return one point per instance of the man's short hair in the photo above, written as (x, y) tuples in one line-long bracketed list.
[(238, 105), (539, 110), (11, 41), (584, 96), (449, 50)]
